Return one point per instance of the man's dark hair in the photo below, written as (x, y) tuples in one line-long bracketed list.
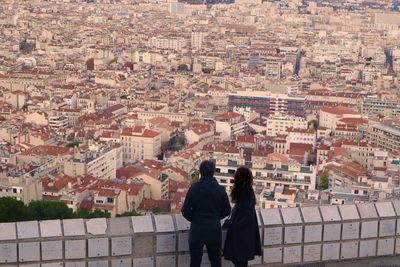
[(207, 168)]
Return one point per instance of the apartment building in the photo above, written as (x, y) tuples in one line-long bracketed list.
[(316, 99), (278, 124), (58, 122), (167, 43), (230, 124), (21, 186), (174, 117), (330, 116), (197, 39), (100, 161), (267, 103), (385, 135), (383, 107), (73, 115), (273, 170), (199, 132), (140, 143), (273, 70), (301, 136), (17, 99)]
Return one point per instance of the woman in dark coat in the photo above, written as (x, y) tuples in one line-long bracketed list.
[(243, 237)]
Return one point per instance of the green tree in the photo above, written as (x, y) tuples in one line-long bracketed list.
[(12, 210), (85, 214), (48, 210), (73, 144), (177, 143), (156, 210), (324, 181), (99, 214), (82, 213), (129, 213), (183, 67)]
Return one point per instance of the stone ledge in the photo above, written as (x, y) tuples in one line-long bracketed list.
[(320, 236)]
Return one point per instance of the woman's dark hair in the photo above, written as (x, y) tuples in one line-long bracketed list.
[(243, 179)]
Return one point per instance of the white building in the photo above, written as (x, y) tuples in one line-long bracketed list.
[(101, 161), (140, 143), (58, 122), (330, 116), (167, 43), (230, 124), (177, 8), (200, 132), (275, 170), (273, 70), (301, 136), (197, 40), (278, 124), (17, 99)]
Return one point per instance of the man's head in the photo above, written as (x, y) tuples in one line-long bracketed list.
[(207, 168)]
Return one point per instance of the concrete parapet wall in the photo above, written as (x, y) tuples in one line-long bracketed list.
[(325, 236)]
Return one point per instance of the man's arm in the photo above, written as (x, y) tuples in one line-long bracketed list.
[(226, 206), (187, 208)]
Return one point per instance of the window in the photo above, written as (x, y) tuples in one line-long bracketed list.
[(110, 200), (356, 191), (99, 201)]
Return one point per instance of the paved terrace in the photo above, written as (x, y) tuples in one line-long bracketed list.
[(348, 235)]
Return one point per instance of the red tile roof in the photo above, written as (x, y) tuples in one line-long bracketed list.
[(353, 121), (247, 138), (128, 172), (339, 110), (227, 116), (45, 150)]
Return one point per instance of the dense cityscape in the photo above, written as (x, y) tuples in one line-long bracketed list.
[(110, 106)]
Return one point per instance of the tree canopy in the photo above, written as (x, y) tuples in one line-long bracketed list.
[(48, 210), (129, 213), (324, 181), (177, 143), (156, 210), (73, 144), (12, 210), (183, 67)]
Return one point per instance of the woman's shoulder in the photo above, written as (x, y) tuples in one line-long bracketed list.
[(246, 193), (248, 190)]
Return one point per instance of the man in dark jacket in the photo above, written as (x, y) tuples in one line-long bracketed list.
[(206, 204)]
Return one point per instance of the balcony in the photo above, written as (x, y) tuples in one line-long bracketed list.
[(349, 235)]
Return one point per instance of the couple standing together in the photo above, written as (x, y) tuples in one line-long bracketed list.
[(207, 203)]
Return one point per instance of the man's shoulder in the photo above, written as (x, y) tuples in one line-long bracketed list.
[(193, 186), (220, 189)]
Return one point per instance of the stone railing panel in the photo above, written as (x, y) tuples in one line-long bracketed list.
[(290, 236)]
